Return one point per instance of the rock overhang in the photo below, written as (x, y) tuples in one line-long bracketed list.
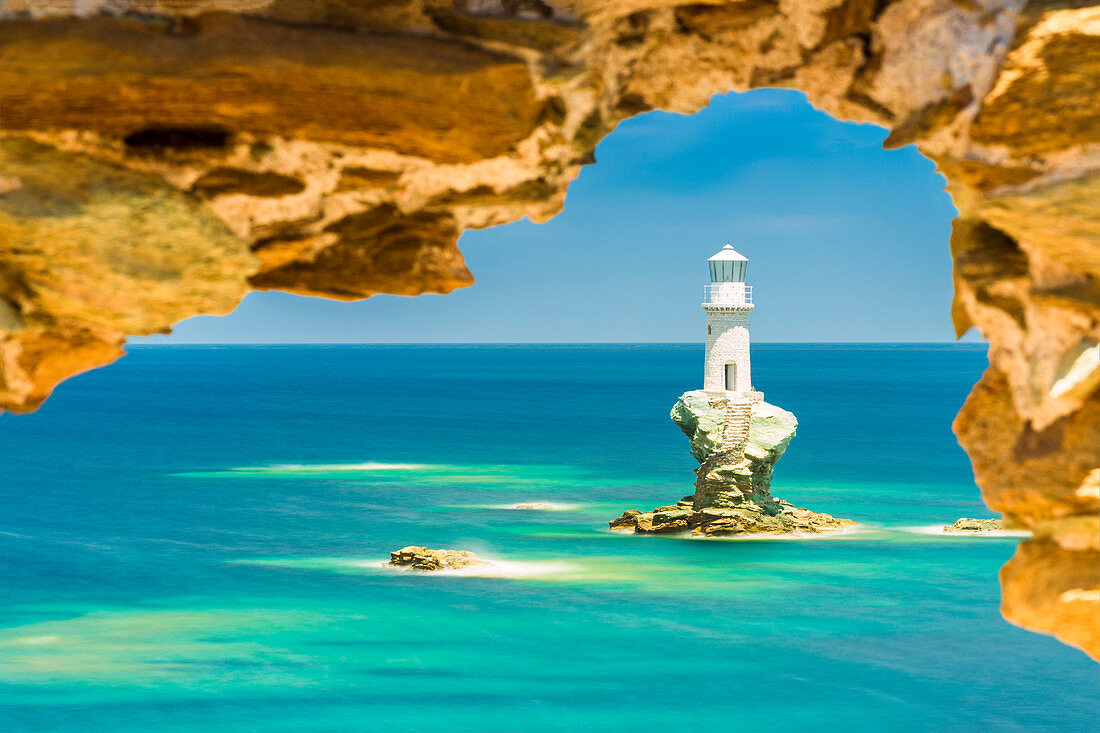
[(301, 185)]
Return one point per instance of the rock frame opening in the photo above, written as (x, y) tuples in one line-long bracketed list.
[(117, 216)]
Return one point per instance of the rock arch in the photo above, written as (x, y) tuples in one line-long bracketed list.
[(161, 158)]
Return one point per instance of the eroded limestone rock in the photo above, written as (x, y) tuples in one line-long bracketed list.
[(733, 486), (1049, 588), (421, 558), (339, 149), (969, 525), (91, 251)]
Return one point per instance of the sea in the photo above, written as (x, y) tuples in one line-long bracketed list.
[(194, 539)]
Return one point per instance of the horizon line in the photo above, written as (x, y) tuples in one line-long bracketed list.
[(552, 343)]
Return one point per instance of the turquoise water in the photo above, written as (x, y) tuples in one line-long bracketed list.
[(191, 540)]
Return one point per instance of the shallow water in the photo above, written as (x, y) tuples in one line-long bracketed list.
[(192, 539)]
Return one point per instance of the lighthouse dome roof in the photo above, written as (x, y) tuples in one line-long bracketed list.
[(727, 254)]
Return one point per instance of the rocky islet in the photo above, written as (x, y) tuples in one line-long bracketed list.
[(420, 558), (733, 485), (969, 525)]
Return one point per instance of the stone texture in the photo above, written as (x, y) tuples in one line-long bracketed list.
[(91, 252), (700, 421), (727, 342), (1046, 587), (725, 478), (1043, 479), (783, 518), (129, 78), (971, 525), (340, 148), (415, 557), (732, 487)]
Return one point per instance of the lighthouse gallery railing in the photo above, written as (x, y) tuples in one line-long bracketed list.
[(727, 294)]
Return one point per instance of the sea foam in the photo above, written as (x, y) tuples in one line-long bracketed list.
[(330, 467), (498, 569), (938, 530), (542, 506)]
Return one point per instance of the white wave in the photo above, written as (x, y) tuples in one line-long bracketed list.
[(537, 506), (498, 569), (331, 467), (938, 530)]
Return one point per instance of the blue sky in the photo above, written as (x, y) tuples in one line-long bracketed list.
[(846, 242)]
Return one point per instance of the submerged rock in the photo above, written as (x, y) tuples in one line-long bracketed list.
[(421, 558), (733, 482), (968, 524)]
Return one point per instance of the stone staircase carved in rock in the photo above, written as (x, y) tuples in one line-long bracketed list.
[(736, 433), (735, 436)]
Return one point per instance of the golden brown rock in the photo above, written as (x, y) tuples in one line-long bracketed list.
[(91, 252), (377, 251), (347, 145), (141, 81), (970, 525), (1047, 588), (415, 557), (1026, 473)]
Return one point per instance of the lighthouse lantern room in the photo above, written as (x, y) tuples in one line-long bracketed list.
[(728, 305)]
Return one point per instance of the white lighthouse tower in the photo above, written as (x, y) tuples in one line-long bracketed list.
[(728, 305)]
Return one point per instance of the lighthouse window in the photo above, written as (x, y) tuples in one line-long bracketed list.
[(708, 330)]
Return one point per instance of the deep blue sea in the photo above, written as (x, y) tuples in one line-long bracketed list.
[(191, 540)]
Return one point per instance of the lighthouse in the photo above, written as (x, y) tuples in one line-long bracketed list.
[(728, 305), (735, 435)]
